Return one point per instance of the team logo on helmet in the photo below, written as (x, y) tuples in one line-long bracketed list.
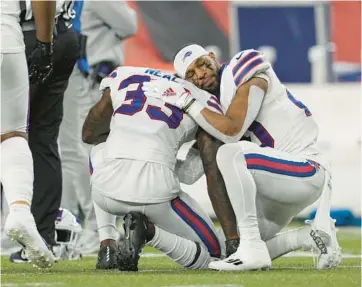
[(187, 54)]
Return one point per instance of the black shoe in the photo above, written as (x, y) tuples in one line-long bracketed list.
[(19, 256), (135, 229), (231, 246), (108, 258)]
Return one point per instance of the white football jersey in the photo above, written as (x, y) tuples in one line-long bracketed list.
[(11, 34), (144, 128), (283, 122)]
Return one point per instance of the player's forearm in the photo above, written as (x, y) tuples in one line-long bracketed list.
[(219, 126), (95, 128), (208, 147), (44, 15), (222, 123)]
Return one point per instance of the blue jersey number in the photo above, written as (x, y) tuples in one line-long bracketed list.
[(138, 100), (266, 140)]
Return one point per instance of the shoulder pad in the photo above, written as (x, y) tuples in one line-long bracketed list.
[(246, 64)]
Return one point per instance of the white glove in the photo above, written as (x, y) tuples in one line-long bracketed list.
[(169, 92)]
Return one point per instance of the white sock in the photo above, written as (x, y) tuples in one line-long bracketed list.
[(241, 189), (19, 208), (106, 223), (288, 241), (181, 250), (17, 174)]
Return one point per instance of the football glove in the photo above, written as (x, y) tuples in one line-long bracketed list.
[(40, 62), (169, 92)]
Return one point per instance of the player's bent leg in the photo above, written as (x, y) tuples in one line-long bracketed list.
[(139, 231), (185, 252), (296, 183), (164, 217), (184, 232), (252, 252), (184, 217), (17, 163)]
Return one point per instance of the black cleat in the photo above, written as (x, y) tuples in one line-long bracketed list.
[(19, 257), (108, 258), (231, 246), (135, 228)]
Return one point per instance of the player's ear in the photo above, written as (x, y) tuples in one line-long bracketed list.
[(212, 55)]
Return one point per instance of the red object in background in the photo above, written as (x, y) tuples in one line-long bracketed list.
[(346, 30), (219, 12), (139, 50)]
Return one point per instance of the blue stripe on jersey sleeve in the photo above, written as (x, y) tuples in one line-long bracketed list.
[(243, 60), (247, 69)]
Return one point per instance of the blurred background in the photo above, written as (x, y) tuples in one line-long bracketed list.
[(315, 49)]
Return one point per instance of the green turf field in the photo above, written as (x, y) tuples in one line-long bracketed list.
[(157, 270)]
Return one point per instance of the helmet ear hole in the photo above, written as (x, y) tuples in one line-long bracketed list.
[(63, 235)]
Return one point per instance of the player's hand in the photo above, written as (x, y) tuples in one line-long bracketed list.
[(169, 92), (40, 62)]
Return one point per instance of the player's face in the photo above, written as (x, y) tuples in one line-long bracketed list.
[(203, 73)]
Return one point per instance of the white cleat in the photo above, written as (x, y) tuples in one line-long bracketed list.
[(251, 255), (325, 245), (20, 226)]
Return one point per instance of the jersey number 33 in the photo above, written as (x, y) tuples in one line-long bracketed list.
[(137, 101)]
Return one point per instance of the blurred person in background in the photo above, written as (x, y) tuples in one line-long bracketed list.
[(45, 116), (103, 27)]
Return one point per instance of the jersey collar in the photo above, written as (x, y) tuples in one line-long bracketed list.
[(221, 71)]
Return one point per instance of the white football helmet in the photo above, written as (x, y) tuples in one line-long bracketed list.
[(68, 230)]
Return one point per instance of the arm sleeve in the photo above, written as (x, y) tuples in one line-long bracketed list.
[(190, 169), (256, 96)]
